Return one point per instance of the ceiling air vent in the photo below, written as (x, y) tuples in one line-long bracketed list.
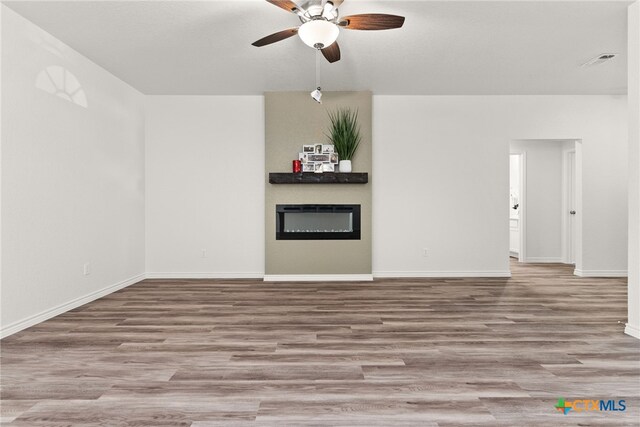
[(603, 57)]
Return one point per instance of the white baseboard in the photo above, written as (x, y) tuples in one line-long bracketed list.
[(205, 275), (632, 330), (541, 260), (318, 277), (443, 274), (600, 273), (14, 327)]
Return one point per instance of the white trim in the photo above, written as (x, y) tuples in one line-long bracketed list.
[(600, 273), (632, 330), (522, 221), (318, 277), (541, 260), (204, 275), (577, 250), (63, 308), (420, 274)]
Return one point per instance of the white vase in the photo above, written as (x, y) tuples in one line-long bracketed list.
[(345, 166)]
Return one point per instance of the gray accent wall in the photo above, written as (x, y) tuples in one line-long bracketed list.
[(291, 120)]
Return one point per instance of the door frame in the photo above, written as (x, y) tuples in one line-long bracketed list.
[(567, 194), (522, 221), (576, 146)]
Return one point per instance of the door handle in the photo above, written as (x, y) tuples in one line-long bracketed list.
[(572, 212)]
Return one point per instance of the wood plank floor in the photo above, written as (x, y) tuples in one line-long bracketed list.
[(423, 352)]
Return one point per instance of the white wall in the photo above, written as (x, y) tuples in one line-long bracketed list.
[(543, 199), (205, 186), (72, 177), (633, 323), (444, 161)]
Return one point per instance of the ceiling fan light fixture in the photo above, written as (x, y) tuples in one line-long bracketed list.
[(329, 12), (318, 33), (317, 95), (321, 22)]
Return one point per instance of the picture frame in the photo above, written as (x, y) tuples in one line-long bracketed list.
[(327, 149), (328, 167), (319, 158)]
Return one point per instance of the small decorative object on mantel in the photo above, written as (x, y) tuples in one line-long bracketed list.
[(317, 158), (344, 132), (297, 166)]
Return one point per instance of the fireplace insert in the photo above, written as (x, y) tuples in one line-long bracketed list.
[(317, 222)]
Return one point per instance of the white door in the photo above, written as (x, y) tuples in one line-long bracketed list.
[(571, 207)]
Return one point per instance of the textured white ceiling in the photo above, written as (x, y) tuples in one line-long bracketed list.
[(445, 47)]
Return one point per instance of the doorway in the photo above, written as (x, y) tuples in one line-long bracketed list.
[(544, 199)]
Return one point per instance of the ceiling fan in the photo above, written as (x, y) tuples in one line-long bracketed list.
[(321, 22)]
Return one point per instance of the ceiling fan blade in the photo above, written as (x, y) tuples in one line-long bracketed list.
[(285, 4), (372, 21), (332, 53), (275, 37)]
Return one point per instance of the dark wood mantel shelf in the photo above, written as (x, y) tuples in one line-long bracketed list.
[(318, 178)]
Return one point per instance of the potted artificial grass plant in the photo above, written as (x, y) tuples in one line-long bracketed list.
[(344, 132)]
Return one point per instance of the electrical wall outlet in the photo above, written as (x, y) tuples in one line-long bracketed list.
[(86, 269), (425, 252), (203, 254)]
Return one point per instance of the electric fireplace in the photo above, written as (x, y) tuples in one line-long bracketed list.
[(317, 222)]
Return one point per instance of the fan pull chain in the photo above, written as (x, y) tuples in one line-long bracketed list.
[(317, 93), (318, 69)]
